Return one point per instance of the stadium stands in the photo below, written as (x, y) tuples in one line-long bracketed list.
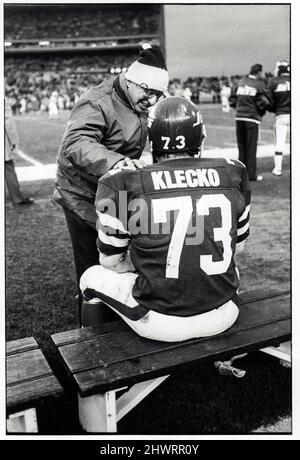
[(68, 48), (74, 21), (36, 77)]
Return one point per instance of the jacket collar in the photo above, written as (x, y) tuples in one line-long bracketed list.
[(122, 90)]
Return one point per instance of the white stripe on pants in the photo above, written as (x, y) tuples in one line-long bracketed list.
[(154, 325)]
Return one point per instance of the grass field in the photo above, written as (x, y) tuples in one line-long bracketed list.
[(40, 288)]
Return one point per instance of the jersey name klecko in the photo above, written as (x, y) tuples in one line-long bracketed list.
[(180, 178)]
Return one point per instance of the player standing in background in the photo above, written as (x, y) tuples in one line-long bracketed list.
[(225, 94), (250, 99), (167, 253), (53, 109), (280, 95)]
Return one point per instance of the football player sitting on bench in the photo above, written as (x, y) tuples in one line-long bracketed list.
[(168, 234)]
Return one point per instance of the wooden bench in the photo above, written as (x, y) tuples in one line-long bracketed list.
[(29, 380), (106, 360)]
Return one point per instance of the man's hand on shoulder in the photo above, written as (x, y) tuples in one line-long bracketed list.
[(128, 163)]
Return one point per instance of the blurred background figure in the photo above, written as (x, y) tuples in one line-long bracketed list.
[(187, 93), (280, 94), (23, 105), (44, 102), (175, 87), (53, 109), (225, 94), (11, 146)]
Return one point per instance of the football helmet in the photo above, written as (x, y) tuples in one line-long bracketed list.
[(175, 126), (282, 67)]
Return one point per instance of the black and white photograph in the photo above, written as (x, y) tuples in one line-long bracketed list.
[(147, 215)]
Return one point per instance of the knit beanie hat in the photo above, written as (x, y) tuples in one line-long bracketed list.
[(149, 69)]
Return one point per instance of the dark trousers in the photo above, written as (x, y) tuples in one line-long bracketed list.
[(83, 238), (247, 135), (12, 182)]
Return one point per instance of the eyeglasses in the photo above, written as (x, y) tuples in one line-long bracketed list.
[(150, 92)]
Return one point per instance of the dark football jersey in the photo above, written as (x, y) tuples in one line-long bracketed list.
[(182, 220), (280, 94), (250, 99)]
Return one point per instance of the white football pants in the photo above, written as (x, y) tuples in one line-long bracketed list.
[(53, 110), (154, 325), (282, 124)]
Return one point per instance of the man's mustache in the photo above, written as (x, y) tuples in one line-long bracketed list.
[(146, 100)]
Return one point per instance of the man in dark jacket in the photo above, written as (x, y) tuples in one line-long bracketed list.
[(280, 94), (107, 129), (250, 99)]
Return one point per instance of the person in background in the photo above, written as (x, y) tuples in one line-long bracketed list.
[(53, 109), (23, 105), (107, 129), (225, 94), (187, 93), (280, 95), (10, 147), (250, 99)]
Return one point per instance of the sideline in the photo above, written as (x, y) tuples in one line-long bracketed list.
[(28, 158), (46, 172)]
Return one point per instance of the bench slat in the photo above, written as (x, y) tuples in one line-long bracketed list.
[(77, 335), (17, 346), (126, 344), (261, 294), (132, 371), (27, 394), (29, 378), (26, 366), (121, 356)]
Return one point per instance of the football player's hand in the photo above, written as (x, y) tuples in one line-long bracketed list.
[(126, 264), (128, 163), (119, 263)]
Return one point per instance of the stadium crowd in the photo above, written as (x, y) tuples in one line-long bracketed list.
[(30, 81), (71, 22)]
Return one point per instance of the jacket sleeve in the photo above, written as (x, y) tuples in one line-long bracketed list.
[(271, 107), (82, 143), (262, 100), (243, 221), (113, 235)]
